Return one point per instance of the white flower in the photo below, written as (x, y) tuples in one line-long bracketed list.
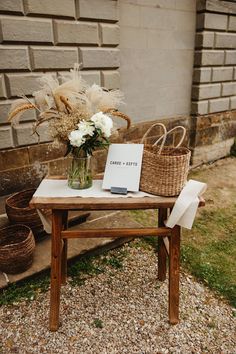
[(76, 138), (103, 122), (86, 127)]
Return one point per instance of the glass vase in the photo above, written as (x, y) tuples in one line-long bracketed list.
[(80, 173)]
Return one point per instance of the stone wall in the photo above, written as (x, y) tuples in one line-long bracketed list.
[(48, 36), (214, 80)]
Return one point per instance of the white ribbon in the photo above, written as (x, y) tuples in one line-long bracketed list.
[(185, 208), (46, 221)]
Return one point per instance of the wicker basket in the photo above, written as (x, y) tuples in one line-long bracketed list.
[(19, 212), (164, 169), (16, 249)]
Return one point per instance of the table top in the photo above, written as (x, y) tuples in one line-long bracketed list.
[(92, 203), (97, 203)]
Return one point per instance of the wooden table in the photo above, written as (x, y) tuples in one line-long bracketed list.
[(168, 241)]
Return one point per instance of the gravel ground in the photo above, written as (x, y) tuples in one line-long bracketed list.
[(122, 311)]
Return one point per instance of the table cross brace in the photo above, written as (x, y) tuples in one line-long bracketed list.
[(168, 248)]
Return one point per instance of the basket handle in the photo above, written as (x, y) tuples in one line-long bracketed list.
[(150, 128), (164, 136)]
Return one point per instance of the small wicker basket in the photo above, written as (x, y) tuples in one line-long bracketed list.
[(19, 212), (17, 246), (164, 169)]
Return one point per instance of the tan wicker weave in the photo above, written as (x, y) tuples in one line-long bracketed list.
[(17, 246), (19, 212), (164, 169), (114, 112)]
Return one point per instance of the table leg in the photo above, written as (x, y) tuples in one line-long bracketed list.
[(55, 269), (64, 249), (162, 215), (174, 268)]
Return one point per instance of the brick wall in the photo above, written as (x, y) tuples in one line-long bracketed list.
[(214, 80), (50, 36)]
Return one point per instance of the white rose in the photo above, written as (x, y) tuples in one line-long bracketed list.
[(103, 122), (86, 128), (76, 138)]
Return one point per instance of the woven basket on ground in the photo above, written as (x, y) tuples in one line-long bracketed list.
[(19, 212), (17, 246), (164, 169)]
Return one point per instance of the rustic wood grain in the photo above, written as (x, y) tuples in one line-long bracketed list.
[(93, 203), (122, 232), (79, 203), (162, 257), (55, 269), (64, 249), (174, 273)]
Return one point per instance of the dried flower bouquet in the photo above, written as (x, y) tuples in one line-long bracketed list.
[(69, 108), (78, 116)]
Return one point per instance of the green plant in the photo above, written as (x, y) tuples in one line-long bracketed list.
[(115, 258), (27, 289), (208, 251), (82, 267), (78, 271), (98, 323), (114, 262)]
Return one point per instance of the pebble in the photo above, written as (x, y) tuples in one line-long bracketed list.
[(134, 315)]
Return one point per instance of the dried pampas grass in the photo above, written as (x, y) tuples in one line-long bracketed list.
[(64, 105), (96, 98), (18, 108), (44, 97)]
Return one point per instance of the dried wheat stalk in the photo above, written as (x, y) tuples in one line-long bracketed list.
[(20, 109)]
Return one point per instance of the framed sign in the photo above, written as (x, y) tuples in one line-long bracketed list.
[(123, 167)]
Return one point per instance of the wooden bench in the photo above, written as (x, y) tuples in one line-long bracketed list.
[(168, 240)]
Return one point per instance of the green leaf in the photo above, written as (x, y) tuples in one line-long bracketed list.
[(69, 148)]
